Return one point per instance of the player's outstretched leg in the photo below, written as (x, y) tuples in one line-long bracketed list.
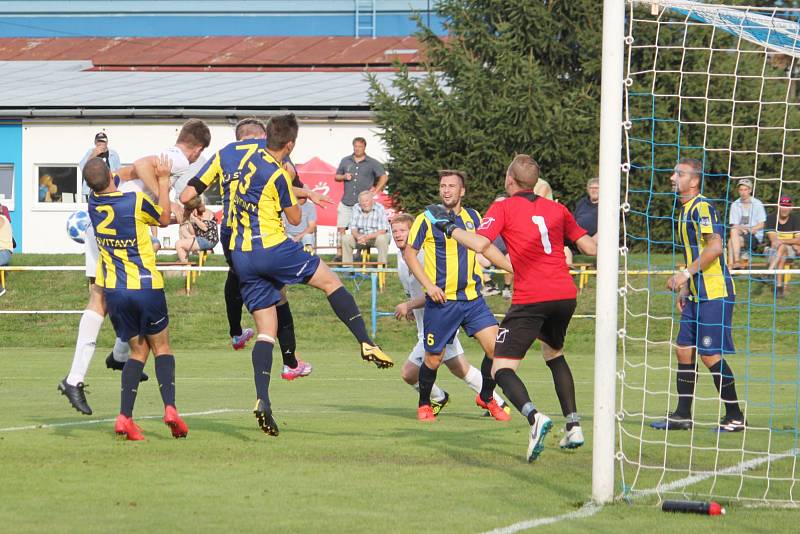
[(262, 367), (293, 367), (346, 309), (565, 390), (72, 386), (119, 355), (517, 394)]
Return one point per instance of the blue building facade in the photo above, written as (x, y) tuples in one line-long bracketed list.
[(11, 155), (179, 18)]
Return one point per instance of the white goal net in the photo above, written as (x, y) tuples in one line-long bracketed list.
[(720, 84)]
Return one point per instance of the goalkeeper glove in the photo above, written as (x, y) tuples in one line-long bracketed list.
[(441, 218)]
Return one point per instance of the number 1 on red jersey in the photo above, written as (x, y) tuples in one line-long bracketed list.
[(538, 220)]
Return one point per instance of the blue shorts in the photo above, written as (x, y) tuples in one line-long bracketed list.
[(707, 326), (262, 273), (137, 312), (441, 321), (204, 244)]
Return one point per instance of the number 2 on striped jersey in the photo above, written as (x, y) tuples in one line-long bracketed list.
[(538, 220)]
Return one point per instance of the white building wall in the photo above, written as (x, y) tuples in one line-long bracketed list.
[(65, 142)]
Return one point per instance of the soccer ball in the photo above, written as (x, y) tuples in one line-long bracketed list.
[(77, 223)]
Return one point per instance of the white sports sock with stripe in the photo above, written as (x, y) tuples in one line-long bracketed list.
[(88, 330)]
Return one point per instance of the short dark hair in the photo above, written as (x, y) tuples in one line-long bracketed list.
[(359, 140), (694, 163), (250, 127), (452, 172), (96, 174), (195, 133), (403, 218), (281, 129)]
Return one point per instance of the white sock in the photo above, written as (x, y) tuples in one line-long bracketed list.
[(437, 394), (474, 380), (121, 351), (88, 330)]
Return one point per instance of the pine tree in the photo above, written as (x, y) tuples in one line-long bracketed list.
[(512, 76)]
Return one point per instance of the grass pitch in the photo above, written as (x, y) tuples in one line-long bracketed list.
[(351, 455)]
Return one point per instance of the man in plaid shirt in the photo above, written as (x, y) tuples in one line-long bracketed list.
[(368, 228)]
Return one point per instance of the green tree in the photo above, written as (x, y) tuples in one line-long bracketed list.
[(513, 76)]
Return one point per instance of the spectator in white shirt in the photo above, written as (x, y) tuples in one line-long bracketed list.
[(747, 226), (369, 227)]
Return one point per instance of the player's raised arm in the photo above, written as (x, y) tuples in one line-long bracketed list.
[(145, 169), (125, 173), (317, 198), (162, 170)]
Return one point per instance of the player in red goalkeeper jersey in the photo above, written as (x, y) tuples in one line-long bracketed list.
[(535, 230)]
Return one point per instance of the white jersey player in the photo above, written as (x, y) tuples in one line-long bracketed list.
[(454, 357), (177, 160)]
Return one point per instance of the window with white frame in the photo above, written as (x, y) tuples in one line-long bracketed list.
[(7, 184), (58, 183)]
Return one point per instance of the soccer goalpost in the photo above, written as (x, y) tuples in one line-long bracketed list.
[(721, 84)]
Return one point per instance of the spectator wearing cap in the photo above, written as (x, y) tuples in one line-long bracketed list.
[(360, 173), (747, 220), (783, 232), (100, 150)]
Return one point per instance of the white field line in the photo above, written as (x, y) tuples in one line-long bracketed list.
[(589, 509), (705, 475), (86, 422)]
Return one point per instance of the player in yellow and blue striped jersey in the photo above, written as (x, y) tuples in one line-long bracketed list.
[(452, 280), (265, 259), (706, 297), (226, 167), (133, 287)]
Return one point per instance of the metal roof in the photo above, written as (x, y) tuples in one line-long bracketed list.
[(217, 53), (37, 88)]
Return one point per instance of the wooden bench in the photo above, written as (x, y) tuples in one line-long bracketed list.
[(188, 274)]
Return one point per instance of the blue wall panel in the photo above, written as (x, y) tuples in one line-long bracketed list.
[(338, 24), (11, 152)]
